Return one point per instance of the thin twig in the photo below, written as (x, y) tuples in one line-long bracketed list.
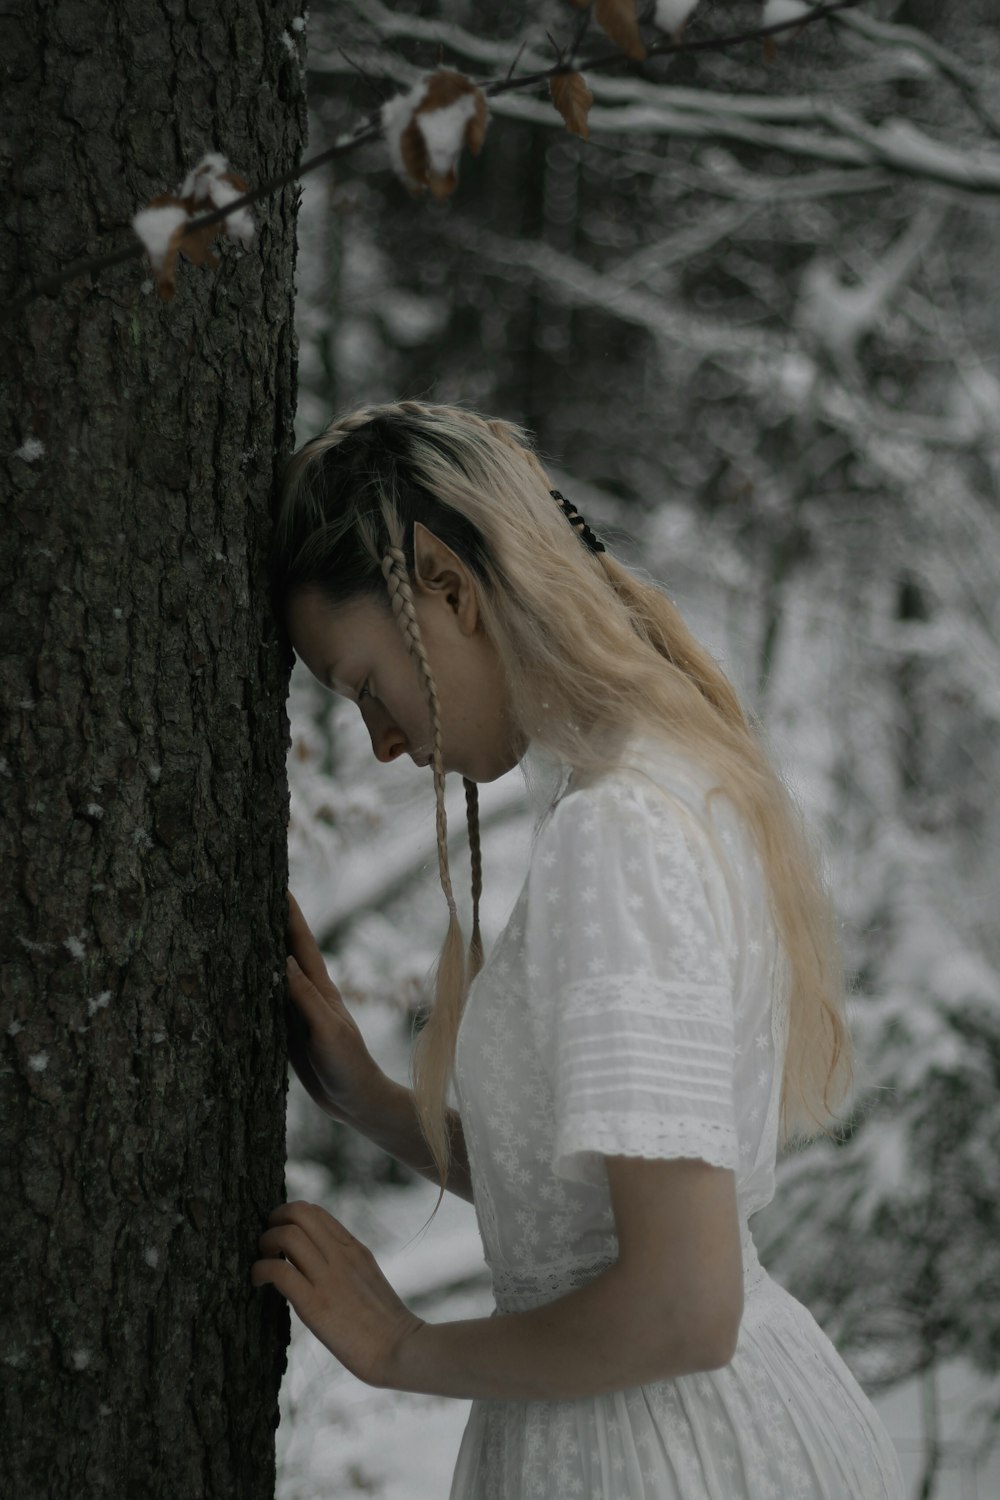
[(581, 31), (668, 48), (373, 83), (517, 58)]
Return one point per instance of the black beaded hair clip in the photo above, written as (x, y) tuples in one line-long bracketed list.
[(574, 518)]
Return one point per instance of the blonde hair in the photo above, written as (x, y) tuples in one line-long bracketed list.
[(591, 652)]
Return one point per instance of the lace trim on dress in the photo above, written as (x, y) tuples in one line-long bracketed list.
[(645, 994), (582, 1137), (516, 1291)]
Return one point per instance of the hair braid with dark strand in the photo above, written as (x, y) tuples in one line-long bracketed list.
[(574, 518)]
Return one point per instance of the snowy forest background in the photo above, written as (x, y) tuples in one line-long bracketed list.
[(767, 371)]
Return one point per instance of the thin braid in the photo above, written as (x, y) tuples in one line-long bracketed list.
[(476, 854), (401, 598)]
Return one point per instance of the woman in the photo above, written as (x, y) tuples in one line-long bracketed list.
[(663, 1010)]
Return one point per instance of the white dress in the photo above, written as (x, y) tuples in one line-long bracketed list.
[(635, 1005)]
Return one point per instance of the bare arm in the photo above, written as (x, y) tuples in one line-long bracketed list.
[(333, 1063), (670, 1306), (389, 1119)]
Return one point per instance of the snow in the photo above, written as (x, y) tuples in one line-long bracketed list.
[(156, 227), (98, 1002), (443, 131), (75, 946), (299, 22), (80, 1358), (38, 1062), (151, 1256), (30, 450), (671, 14), (396, 115), (777, 11), (93, 810), (206, 184), (15, 1027)]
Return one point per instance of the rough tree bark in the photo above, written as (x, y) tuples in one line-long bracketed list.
[(144, 802)]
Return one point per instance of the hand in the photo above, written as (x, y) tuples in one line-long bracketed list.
[(334, 1284), (325, 1043)]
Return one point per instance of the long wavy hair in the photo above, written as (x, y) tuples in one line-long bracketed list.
[(592, 651)]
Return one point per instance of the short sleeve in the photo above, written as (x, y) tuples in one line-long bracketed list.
[(629, 971)]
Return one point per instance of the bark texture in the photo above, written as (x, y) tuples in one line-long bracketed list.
[(142, 746)]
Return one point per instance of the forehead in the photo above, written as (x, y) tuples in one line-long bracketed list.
[(326, 634)]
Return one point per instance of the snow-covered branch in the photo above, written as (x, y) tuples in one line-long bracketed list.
[(909, 39), (769, 363), (800, 126), (624, 106)]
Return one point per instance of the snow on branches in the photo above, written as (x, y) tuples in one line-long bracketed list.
[(426, 129), (620, 24), (163, 225), (672, 15)]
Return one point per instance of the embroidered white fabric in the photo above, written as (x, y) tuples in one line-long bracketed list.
[(635, 1004)]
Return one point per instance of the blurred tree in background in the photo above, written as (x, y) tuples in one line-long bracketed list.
[(760, 349)]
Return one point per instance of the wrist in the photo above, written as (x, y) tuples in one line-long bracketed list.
[(404, 1357), (371, 1102)]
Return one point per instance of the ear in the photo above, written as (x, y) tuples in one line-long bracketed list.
[(440, 576)]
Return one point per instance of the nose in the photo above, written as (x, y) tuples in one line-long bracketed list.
[(388, 740)]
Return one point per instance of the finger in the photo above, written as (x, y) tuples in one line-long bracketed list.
[(283, 1276), (314, 1219), (298, 1247), (298, 1056), (304, 946), (312, 1003)]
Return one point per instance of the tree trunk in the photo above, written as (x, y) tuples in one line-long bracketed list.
[(142, 744)]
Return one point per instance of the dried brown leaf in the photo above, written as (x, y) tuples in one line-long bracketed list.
[(572, 99), (444, 88), (195, 245), (617, 19)]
